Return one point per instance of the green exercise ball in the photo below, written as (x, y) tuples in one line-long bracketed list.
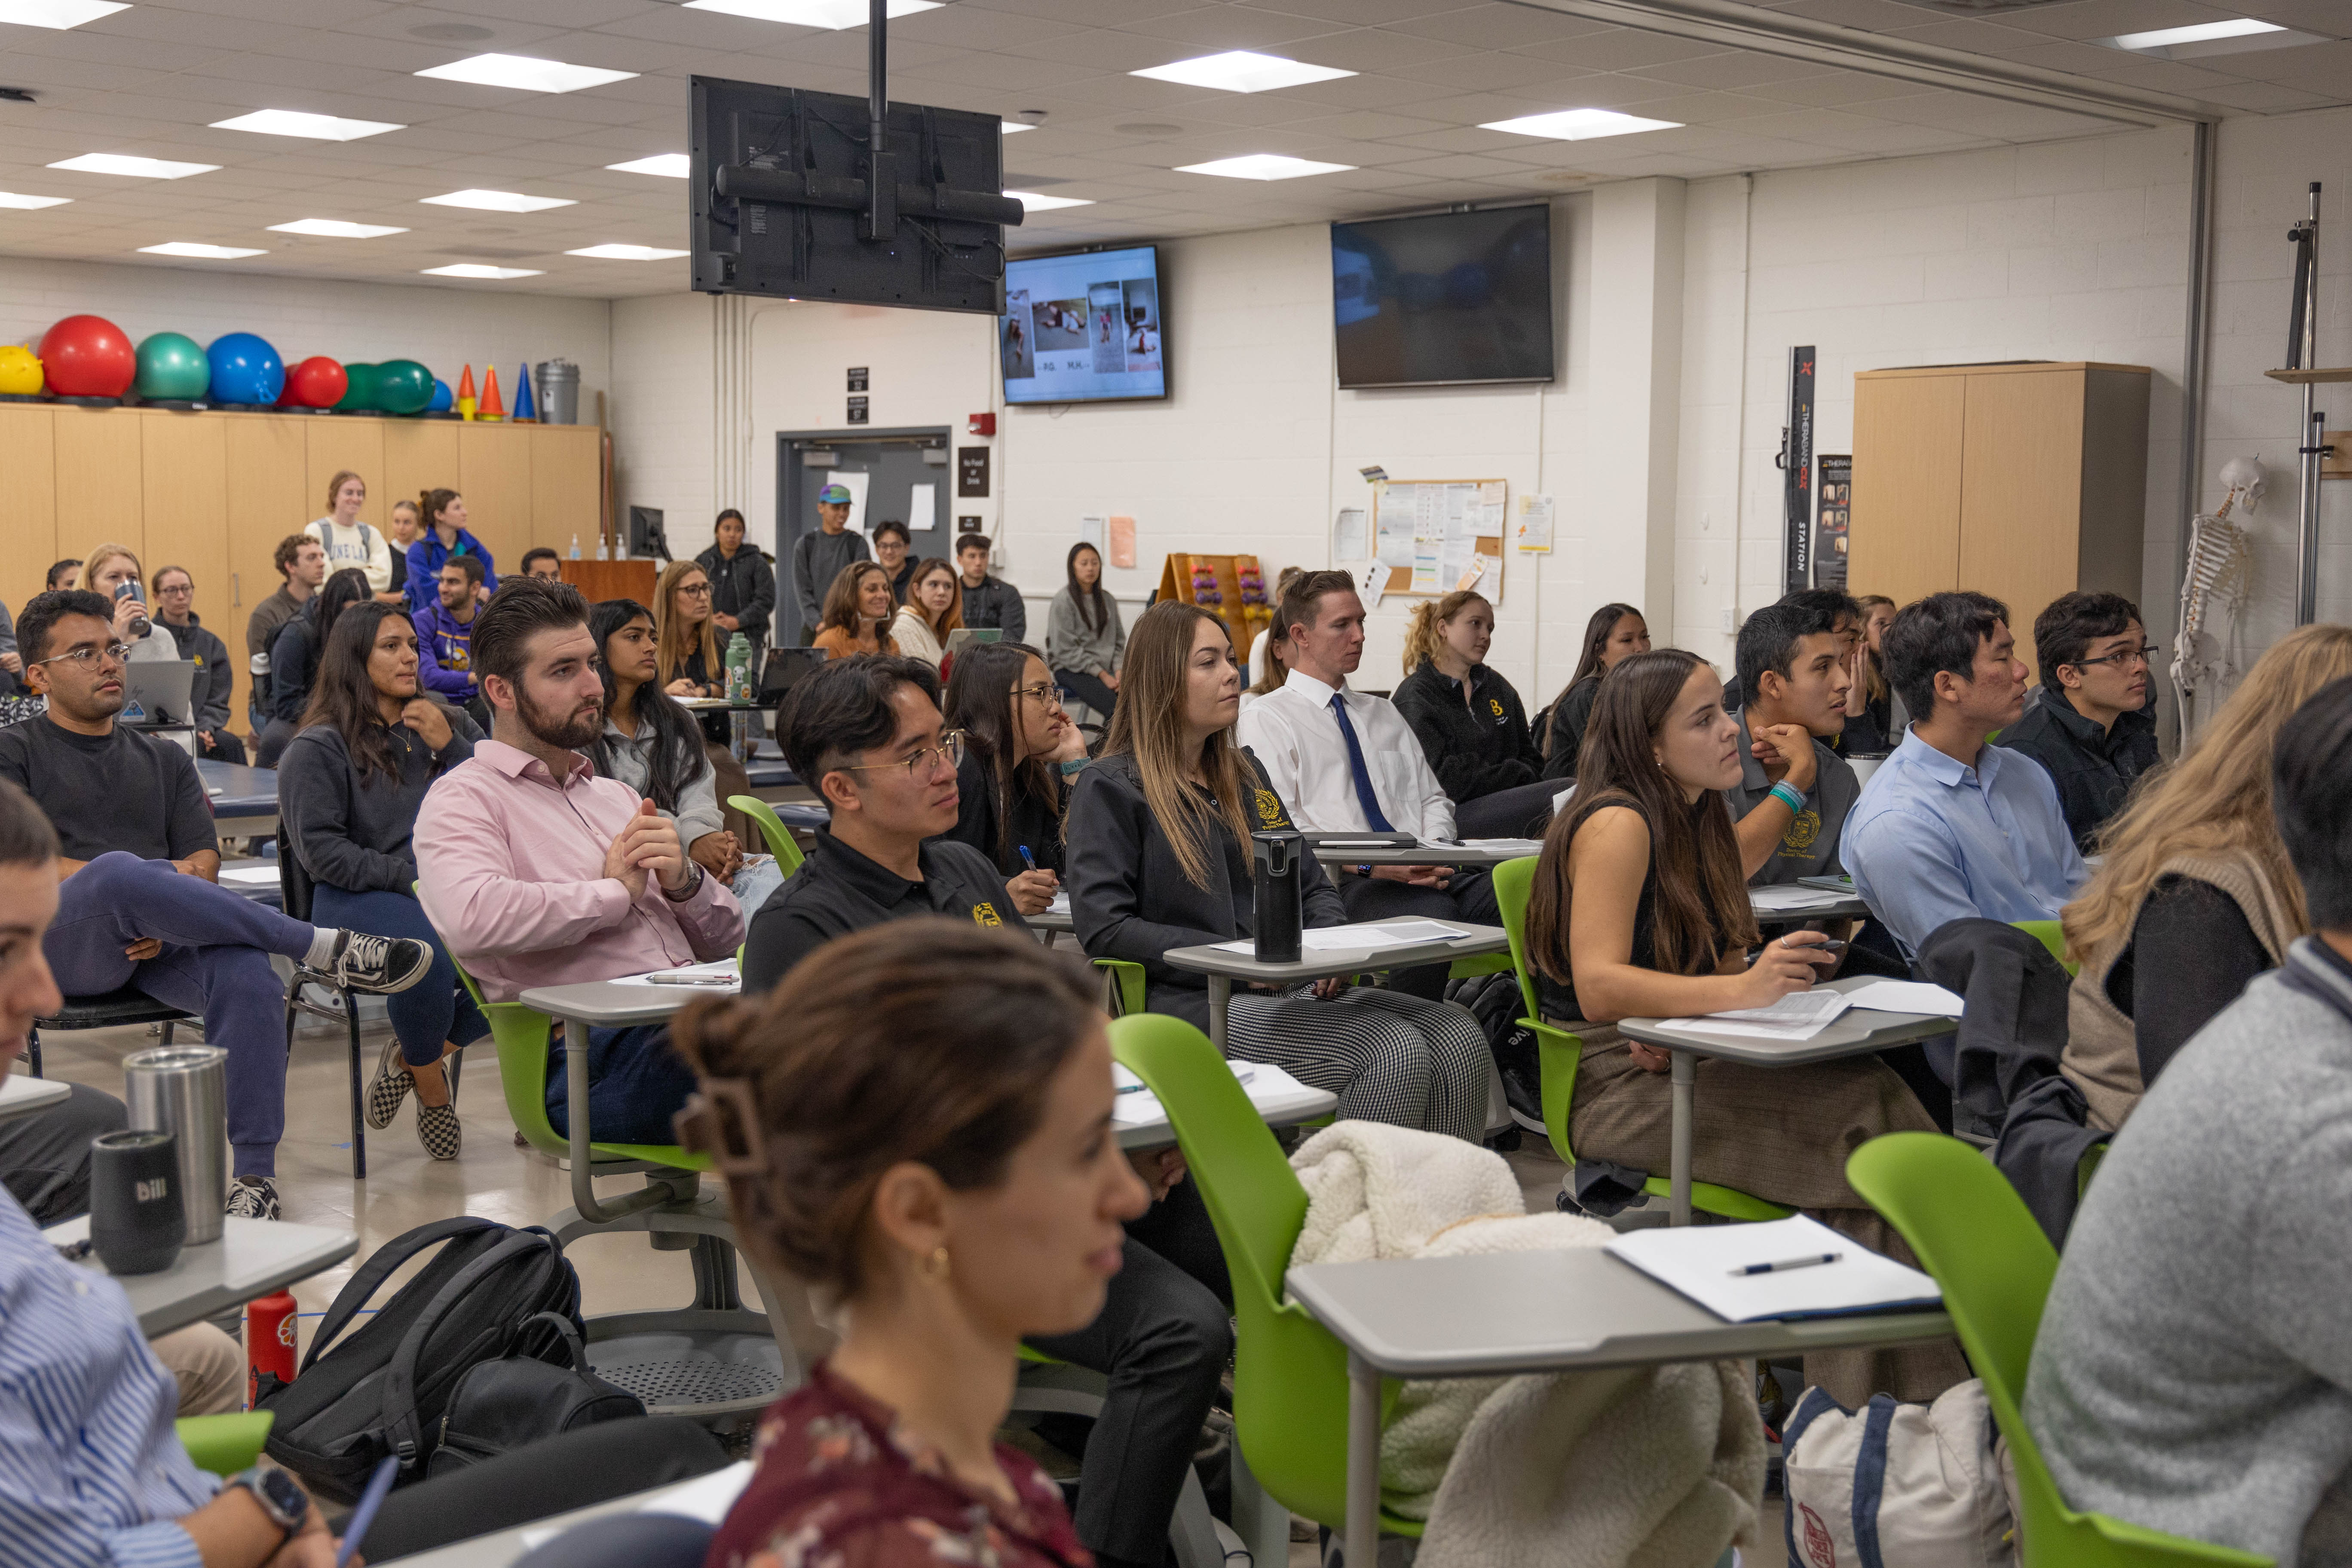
[(402, 386), (359, 390), (171, 369)]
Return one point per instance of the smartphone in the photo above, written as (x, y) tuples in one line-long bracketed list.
[(692, 977)]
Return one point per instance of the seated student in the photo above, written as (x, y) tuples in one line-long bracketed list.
[(294, 661), (926, 1118), (1949, 827), (1343, 762), (857, 613), (443, 534), (1843, 612), (403, 525), (892, 547), (989, 601), (1640, 911), (301, 568), (541, 561), (1158, 833), (650, 743), (1085, 637), (65, 574), (1009, 790), (140, 906), (1794, 793), (2190, 1373), (113, 573), (215, 680), (537, 872), (2089, 722), (444, 631), (347, 541), (742, 584), (1269, 655), (2195, 897), (1614, 634), (349, 788), (1468, 719), (934, 607), (1873, 724)]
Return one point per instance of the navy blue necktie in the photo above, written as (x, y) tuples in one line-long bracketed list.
[(1373, 818)]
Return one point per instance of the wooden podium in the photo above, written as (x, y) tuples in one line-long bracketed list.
[(613, 579)]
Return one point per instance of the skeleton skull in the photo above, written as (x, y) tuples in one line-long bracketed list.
[(2243, 477)]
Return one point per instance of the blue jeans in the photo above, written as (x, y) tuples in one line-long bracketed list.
[(636, 1085), (434, 1009)]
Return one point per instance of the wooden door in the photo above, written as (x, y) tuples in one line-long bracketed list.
[(567, 487), (100, 494), (1908, 432), (187, 489), (334, 443), (2021, 492), (269, 490), (28, 500), (494, 463)]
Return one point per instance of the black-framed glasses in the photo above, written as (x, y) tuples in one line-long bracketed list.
[(693, 588), (82, 656), (1044, 691), (948, 750), (2123, 659)]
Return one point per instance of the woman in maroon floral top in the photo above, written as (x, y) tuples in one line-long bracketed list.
[(919, 1125)]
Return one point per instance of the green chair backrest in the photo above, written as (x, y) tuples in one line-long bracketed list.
[(1974, 1234), (1513, 883), (224, 1445), (1127, 975), (780, 843), (2050, 935)]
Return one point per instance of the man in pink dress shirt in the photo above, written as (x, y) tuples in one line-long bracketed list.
[(537, 872)]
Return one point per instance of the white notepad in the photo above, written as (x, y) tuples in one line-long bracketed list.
[(1359, 938), (1906, 996), (1790, 898), (1060, 904), (1798, 1015), (252, 876), (1697, 1261)]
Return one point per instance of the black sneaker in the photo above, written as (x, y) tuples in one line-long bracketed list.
[(253, 1197), (380, 963)]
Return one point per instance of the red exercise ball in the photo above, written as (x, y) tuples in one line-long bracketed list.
[(316, 383), (89, 356)]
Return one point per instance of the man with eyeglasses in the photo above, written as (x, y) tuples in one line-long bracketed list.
[(867, 735), (539, 872), (2091, 723), (175, 606), (141, 904)]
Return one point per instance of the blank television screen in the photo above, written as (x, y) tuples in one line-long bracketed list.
[(1083, 329), (1447, 299)]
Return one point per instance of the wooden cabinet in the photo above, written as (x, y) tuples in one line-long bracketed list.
[(2023, 481)]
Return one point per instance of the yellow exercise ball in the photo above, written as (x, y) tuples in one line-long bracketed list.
[(20, 369)]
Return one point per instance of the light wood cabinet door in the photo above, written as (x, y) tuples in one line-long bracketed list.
[(186, 486), (268, 487), (494, 472), (28, 500), (2021, 493), (567, 487), (101, 496), (1905, 531)]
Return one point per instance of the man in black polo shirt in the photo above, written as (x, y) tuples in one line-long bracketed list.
[(2090, 723), (141, 904)]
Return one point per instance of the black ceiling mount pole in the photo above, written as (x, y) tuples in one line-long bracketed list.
[(881, 179)]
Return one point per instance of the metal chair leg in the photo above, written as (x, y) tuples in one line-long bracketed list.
[(359, 1121), (33, 1049), (167, 1031)]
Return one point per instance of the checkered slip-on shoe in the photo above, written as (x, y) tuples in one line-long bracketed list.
[(389, 1087), (438, 1129)]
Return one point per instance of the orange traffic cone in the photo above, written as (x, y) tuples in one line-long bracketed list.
[(493, 407), (465, 394)]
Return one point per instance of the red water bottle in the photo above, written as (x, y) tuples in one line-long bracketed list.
[(269, 1325)]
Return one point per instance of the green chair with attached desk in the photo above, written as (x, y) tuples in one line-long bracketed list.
[(1974, 1234), (1561, 1052), (780, 843), (224, 1445)]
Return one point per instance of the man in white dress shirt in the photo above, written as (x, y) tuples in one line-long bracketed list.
[(1344, 763)]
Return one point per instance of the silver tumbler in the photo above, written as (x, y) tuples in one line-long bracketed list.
[(183, 1091)]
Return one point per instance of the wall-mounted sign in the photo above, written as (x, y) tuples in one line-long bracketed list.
[(858, 378), (1796, 463), (1834, 511), (857, 410), (971, 470)]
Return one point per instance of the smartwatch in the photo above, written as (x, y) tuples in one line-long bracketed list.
[(281, 1497)]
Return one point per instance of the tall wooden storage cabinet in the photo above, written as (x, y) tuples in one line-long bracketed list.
[(2023, 481)]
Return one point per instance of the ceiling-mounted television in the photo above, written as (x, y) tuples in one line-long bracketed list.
[(1451, 299), (1084, 328)]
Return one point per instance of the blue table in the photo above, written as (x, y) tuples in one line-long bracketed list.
[(244, 800)]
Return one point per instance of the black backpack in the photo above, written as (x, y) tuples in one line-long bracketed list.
[(1496, 1002), (510, 1403), (383, 1389)]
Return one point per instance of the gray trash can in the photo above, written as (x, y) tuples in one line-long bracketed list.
[(559, 392)]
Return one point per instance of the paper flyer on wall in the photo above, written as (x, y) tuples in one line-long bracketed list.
[(1535, 525), (1393, 523), (1351, 540), (1122, 540)]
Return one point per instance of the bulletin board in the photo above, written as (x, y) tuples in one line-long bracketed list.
[(1430, 532)]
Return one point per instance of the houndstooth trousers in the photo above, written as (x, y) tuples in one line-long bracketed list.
[(1390, 1058)]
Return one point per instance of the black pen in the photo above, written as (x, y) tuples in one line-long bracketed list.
[(1811, 1260)]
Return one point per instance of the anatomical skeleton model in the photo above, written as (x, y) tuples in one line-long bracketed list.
[(2219, 552)]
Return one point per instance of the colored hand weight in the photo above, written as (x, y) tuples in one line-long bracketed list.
[(317, 383), (246, 370), (88, 356), (402, 386), (20, 372), (171, 369), (359, 389)]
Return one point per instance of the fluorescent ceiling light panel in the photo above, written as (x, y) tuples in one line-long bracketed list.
[(669, 165), (203, 252), (335, 228), (833, 14), (31, 204), (317, 127), (524, 72), (1032, 202), (1263, 166), (1579, 124), (136, 168), (2202, 33), (476, 270), (628, 253), (498, 201), (57, 13), (1242, 70)]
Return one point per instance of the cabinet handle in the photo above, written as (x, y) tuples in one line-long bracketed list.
[(236, 592)]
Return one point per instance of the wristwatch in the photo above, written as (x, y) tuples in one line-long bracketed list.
[(281, 1497), (692, 888)]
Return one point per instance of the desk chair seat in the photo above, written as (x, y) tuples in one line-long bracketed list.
[(128, 1005)]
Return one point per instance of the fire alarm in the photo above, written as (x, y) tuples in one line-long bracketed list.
[(981, 423)]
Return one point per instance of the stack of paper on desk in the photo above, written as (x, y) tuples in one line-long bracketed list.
[(1798, 1015), (1359, 938), (1787, 899), (1706, 1262), (1906, 997), (1137, 1105)]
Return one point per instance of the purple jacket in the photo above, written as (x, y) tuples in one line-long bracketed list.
[(443, 651)]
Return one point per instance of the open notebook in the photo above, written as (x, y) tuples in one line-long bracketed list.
[(1707, 1264)]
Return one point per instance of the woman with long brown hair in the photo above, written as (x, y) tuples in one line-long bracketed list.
[(1009, 790), (858, 609), (2194, 896), (686, 664), (1640, 909), (1870, 726), (934, 607), (1614, 634), (1159, 843)]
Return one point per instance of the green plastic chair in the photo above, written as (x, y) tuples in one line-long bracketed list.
[(1127, 975), (780, 843), (224, 1445), (1290, 1376), (1973, 1233), (1560, 1053), (2050, 935)]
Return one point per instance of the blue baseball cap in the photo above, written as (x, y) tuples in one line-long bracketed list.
[(833, 495)]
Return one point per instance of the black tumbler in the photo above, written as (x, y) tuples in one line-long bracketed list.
[(138, 1219), (1279, 856)]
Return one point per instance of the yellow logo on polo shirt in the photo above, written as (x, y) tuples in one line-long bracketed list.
[(1802, 833), (1494, 705), (985, 915), (1269, 810)]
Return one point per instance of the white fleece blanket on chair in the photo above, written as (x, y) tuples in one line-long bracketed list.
[(1643, 1467)]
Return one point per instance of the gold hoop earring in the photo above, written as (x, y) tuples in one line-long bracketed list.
[(939, 1264)]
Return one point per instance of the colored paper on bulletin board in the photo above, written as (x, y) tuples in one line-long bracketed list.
[(1431, 534), (1535, 525), (1122, 541)]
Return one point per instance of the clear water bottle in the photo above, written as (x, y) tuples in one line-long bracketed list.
[(576, 547), (739, 668)]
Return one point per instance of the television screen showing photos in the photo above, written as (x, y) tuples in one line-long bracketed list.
[(1083, 329)]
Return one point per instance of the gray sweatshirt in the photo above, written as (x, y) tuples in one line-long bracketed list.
[(697, 804), (1072, 645), (2193, 1371), (818, 560)]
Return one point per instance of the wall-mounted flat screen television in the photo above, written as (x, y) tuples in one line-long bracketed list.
[(1446, 300), (1084, 328)]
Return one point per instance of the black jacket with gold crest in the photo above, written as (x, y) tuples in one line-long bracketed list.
[(838, 890), (1476, 747)]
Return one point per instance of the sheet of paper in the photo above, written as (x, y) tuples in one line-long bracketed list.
[(1138, 1106), (1350, 535), (1698, 1261), (705, 1497), (1372, 583), (1472, 572), (250, 876), (1800, 1015), (1122, 540), (722, 966), (1535, 525), (853, 481), (1787, 898), (1906, 997), (1359, 938), (1512, 846), (1393, 523), (1094, 531), (922, 506), (1061, 904)]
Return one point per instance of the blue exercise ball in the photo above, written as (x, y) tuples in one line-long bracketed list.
[(442, 400), (245, 369)]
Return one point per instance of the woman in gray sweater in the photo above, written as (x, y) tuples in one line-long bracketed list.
[(1086, 641)]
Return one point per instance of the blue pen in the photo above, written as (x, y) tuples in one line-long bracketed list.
[(355, 1529), (1028, 859)]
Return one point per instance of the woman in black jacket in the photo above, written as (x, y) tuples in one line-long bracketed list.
[(1159, 857), (1009, 789), (1469, 721), (1614, 634), (742, 584), (295, 656)]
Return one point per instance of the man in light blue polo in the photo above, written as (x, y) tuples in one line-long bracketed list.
[(1949, 827)]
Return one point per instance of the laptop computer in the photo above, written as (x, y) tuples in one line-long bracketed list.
[(784, 668), (963, 637), (158, 691)]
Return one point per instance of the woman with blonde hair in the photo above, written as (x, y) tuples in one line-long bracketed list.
[(934, 607), (104, 572), (1469, 721), (858, 609), (405, 523), (2194, 896)]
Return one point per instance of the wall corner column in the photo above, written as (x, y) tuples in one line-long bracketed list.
[(1635, 353)]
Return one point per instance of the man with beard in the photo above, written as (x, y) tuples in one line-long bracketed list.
[(537, 872)]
